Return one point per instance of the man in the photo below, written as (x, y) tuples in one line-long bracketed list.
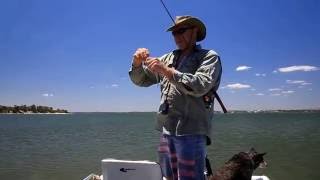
[(188, 76)]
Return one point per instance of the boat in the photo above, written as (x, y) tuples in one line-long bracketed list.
[(114, 169)]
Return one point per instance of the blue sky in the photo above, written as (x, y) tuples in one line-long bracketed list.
[(75, 54)]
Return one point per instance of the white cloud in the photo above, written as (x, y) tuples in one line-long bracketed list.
[(112, 86), (304, 68), (275, 89), (276, 94), (299, 82), (275, 72), (262, 75), (47, 95), (237, 86), (295, 81), (287, 92), (259, 94), (243, 68), (305, 83), (115, 85)]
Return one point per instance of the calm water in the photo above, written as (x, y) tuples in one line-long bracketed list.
[(71, 146)]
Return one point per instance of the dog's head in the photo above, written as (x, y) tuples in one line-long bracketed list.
[(257, 158)]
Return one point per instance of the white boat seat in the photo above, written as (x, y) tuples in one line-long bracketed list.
[(113, 169)]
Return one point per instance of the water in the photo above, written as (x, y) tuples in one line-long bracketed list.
[(71, 146)]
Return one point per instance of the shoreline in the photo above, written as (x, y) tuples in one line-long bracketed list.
[(216, 112), (35, 113)]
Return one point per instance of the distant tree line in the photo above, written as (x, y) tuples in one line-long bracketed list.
[(30, 109)]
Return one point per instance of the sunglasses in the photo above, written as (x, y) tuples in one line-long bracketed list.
[(180, 31)]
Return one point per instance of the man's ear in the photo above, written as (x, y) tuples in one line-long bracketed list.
[(196, 29), (195, 32)]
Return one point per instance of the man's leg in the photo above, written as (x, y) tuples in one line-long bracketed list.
[(191, 153), (167, 158)]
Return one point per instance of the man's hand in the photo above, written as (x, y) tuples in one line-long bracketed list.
[(140, 56), (156, 66)]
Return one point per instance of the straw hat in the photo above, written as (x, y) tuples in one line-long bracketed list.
[(191, 21)]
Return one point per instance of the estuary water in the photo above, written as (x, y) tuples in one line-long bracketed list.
[(71, 146)]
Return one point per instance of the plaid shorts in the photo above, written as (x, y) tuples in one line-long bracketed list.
[(182, 157)]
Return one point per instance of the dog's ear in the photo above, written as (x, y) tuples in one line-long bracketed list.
[(262, 154), (252, 150)]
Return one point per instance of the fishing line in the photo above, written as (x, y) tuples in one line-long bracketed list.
[(165, 7)]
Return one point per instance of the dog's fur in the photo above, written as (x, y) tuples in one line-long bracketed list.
[(240, 166)]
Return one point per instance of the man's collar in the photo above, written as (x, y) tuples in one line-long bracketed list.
[(177, 52), (196, 48)]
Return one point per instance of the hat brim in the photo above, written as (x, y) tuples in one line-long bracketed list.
[(192, 22)]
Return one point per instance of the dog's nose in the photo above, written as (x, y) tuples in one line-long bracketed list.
[(263, 164)]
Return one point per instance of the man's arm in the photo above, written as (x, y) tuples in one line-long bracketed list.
[(205, 78), (139, 75)]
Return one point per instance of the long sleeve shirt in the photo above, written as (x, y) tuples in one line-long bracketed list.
[(196, 75)]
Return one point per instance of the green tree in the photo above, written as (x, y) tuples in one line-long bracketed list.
[(34, 108)]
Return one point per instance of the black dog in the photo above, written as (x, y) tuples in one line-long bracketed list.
[(240, 166)]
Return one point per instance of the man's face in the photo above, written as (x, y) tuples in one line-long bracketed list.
[(183, 36)]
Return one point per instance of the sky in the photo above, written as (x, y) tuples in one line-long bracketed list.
[(75, 54)]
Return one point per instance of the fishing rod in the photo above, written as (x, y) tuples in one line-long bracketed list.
[(165, 7)]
